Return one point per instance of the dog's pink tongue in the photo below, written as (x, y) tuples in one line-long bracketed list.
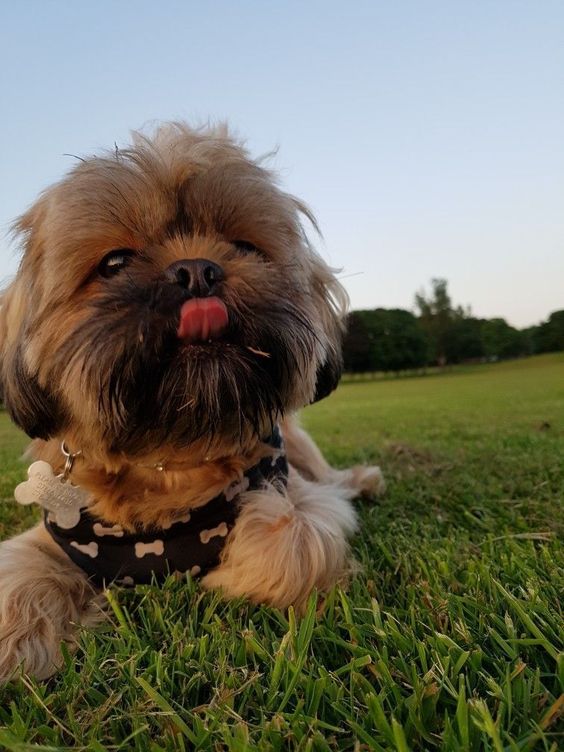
[(202, 319)]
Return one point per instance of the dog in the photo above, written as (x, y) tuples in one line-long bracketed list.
[(168, 319)]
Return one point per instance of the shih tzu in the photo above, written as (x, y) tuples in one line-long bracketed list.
[(167, 320)]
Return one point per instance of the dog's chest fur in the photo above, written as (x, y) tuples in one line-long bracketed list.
[(193, 544)]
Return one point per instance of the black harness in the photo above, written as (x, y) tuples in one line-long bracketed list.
[(193, 545)]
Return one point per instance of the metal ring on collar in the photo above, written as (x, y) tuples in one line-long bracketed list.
[(69, 462)]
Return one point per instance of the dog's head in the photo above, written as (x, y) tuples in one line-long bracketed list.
[(167, 292)]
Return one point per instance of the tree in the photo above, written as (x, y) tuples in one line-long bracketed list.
[(399, 341), (436, 315), (395, 340), (358, 356), (463, 339), (384, 340), (500, 340), (549, 336)]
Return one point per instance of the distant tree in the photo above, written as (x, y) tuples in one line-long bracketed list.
[(436, 315), (528, 338), (500, 340), (395, 340), (549, 336), (358, 351), (400, 343), (384, 340), (463, 339)]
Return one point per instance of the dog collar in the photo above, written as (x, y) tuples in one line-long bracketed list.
[(70, 457), (193, 544)]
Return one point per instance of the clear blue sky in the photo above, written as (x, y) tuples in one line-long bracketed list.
[(427, 136)]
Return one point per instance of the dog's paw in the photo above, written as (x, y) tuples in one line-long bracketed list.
[(27, 649), (367, 480)]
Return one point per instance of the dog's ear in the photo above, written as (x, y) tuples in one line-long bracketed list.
[(29, 404), (328, 376), (331, 303)]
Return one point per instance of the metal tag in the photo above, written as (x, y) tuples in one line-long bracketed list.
[(59, 497)]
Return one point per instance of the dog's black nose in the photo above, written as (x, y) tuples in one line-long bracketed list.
[(199, 276)]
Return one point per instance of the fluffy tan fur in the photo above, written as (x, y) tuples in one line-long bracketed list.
[(43, 598), (296, 541), (132, 494), (84, 359)]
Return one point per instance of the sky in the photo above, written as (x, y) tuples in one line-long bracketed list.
[(426, 136)]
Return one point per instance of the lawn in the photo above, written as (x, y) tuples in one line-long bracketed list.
[(450, 638)]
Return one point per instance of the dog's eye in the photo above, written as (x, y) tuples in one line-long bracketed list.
[(247, 247), (114, 261)]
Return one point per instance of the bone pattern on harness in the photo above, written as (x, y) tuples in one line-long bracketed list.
[(100, 530), (156, 548), (184, 518), (237, 488), (207, 535), (90, 549)]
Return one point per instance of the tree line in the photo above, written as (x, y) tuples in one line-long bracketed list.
[(439, 333)]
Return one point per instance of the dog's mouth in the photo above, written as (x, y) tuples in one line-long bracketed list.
[(206, 329), (202, 320)]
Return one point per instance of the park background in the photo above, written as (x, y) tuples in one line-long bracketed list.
[(427, 138)]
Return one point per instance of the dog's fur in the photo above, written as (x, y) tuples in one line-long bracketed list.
[(96, 362)]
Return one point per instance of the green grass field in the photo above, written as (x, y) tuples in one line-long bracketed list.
[(449, 639)]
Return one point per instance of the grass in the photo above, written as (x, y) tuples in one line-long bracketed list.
[(449, 639)]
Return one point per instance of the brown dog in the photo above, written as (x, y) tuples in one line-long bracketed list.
[(167, 317)]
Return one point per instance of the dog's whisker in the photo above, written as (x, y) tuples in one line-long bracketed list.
[(348, 276), (258, 352), (188, 403)]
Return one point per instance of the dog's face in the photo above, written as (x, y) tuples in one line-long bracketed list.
[(166, 293)]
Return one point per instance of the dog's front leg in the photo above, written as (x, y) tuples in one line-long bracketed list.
[(43, 596), (304, 454), (285, 544)]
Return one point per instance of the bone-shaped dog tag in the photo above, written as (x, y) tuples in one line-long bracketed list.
[(63, 500)]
